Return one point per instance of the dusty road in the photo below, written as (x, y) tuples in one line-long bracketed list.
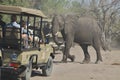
[(109, 69)]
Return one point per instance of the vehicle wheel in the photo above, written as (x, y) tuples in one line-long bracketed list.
[(28, 71), (47, 69), (1, 61)]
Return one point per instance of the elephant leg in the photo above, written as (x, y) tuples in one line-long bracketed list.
[(64, 59), (66, 53), (69, 45), (86, 54), (98, 53), (71, 57)]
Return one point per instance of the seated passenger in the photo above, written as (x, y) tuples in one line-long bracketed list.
[(24, 34), (36, 38), (46, 31), (13, 22)]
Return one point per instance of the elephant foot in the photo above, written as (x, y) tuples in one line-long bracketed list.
[(85, 61), (98, 62), (64, 60), (72, 57)]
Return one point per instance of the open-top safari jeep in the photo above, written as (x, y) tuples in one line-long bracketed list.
[(16, 61)]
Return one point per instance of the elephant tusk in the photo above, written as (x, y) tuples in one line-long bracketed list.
[(56, 33)]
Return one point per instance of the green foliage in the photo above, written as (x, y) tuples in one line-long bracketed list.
[(54, 6), (23, 3), (49, 7), (76, 7)]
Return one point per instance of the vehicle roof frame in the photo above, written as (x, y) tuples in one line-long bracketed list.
[(18, 10), (21, 12)]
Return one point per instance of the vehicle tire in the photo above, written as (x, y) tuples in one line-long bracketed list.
[(47, 69), (28, 71), (1, 61)]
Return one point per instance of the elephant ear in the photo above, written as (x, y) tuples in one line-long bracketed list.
[(69, 22), (61, 21), (66, 27)]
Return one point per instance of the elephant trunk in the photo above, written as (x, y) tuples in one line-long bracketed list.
[(56, 40)]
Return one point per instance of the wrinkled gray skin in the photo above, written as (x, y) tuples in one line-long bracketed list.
[(83, 31)]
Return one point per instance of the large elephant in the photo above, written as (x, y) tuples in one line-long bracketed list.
[(84, 31)]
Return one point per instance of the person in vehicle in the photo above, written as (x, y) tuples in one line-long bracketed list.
[(3, 25), (13, 22), (24, 32), (46, 31)]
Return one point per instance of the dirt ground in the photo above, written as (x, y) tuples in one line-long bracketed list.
[(109, 69)]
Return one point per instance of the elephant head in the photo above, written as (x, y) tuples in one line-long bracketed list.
[(57, 26)]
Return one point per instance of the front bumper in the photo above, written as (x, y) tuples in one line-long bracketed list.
[(8, 73)]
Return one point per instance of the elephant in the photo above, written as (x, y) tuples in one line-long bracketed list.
[(82, 30)]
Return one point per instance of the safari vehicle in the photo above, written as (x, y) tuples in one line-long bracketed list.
[(16, 61)]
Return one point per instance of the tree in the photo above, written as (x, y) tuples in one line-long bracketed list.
[(77, 7), (106, 12), (54, 6)]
